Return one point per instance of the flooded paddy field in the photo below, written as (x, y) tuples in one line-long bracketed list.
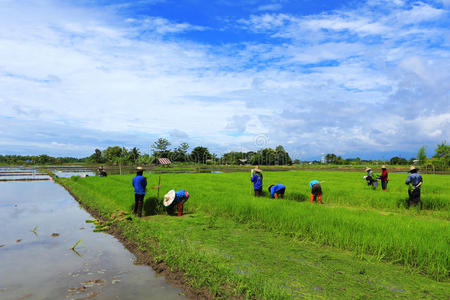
[(40, 222)]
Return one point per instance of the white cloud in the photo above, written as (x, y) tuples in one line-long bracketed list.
[(342, 81), (160, 25), (270, 7)]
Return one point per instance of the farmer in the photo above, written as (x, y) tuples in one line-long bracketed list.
[(371, 181), (172, 199), (102, 172), (316, 191), (384, 178), (257, 180), (369, 177), (140, 185), (277, 191), (415, 181)]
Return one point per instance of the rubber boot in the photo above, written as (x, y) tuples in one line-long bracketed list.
[(320, 199), (276, 196), (180, 209), (312, 198)]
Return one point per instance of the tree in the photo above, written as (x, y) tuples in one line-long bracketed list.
[(333, 159), (398, 161), (200, 154), (113, 153), (180, 153), (161, 148), (133, 155), (145, 159), (442, 155), (421, 155), (97, 157), (282, 156)]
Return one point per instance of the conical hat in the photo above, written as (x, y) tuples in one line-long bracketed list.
[(168, 198), (367, 169), (383, 167), (257, 169), (412, 168)]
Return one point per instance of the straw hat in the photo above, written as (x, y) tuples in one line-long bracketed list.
[(140, 168), (412, 168), (257, 169), (383, 167), (368, 169), (168, 198)]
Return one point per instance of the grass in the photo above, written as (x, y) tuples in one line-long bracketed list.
[(372, 225)]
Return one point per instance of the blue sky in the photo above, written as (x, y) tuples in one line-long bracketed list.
[(355, 78)]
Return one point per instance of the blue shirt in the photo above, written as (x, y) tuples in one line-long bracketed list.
[(313, 183), (139, 183), (276, 188), (180, 196), (414, 179), (257, 181)]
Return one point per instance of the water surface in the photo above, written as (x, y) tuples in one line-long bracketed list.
[(40, 264)]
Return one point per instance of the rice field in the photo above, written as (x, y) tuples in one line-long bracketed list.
[(354, 217)]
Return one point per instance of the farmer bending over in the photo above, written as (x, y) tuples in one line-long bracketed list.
[(139, 184), (371, 181), (101, 172), (369, 177), (277, 191), (172, 199), (257, 180), (316, 191), (416, 181)]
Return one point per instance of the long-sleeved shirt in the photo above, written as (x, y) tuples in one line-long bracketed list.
[(384, 175), (275, 189), (140, 184), (257, 180), (414, 179), (313, 183), (180, 196)]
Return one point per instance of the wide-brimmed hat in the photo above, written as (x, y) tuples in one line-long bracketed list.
[(412, 168), (383, 167), (168, 198), (257, 169), (140, 169), (368, 169)]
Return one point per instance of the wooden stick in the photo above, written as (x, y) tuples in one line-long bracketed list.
[(159, 184)]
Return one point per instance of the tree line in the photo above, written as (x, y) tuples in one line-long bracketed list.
[(439, 161), (161, 149), (201, 155), (37, 159)]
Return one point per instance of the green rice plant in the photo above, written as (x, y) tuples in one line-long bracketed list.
[(76, 244), (354, 217)]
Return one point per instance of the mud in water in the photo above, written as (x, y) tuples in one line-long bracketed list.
[(40, 222)]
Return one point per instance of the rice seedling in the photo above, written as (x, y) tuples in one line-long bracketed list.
[(354, 217), (76, 244)]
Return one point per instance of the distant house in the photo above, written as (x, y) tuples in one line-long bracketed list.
[(163, 161)]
